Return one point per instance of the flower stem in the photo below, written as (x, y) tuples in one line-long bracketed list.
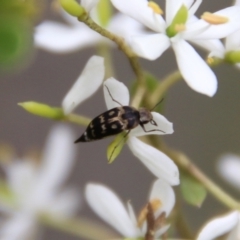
[(81, 227), (80, 120), (164, 86), (184, 163), (119, 41)]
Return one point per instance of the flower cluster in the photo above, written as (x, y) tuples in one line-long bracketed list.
[(140, 30)]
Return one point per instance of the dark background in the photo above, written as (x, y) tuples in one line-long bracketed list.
[(204, 127)]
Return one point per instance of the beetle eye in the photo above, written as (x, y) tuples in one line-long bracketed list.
[(153, 122)]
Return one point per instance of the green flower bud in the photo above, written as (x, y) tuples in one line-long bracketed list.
[(232, 57), (72, 7), (43, 110), (115, 147), (178, 22), (104, 12)]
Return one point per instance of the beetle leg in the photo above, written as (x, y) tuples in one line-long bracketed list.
[(153, 130)]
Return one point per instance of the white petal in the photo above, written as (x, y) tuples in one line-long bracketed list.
[(235, 232), (164, 192), (58, 38), (140, 11), (65, 204), (237, 2), (131, 213), (213, 45), (229, 168), (89, 4), (194, 70), (221, 30), (218, 226), (58, 160), (87, 84), (161, 231), (150, 46), (20, 226), (163, 125), (157, 162), (109, 207), (233, 41), (194, 8), (118, 91), (125, 27)]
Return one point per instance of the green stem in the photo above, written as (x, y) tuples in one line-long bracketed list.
[(104, 51), (81, 227), (184, 163), (164, 86), (80, 120), (119, 41)]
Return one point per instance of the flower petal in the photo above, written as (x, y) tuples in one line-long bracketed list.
[(233, 41), (150, 46), (113, 89), (20, 226), (164, 192), (157, 162), (58, 160), (87, 83), (163, 125), (213, 45), (235, 232), (194, 70), (89, 4), (125, 27), (218, 226), (65, 204), (109, 207), (140, 11), (58, 38), (229, 168), (220, 30)]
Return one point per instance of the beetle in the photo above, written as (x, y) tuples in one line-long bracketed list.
[(117, 120)]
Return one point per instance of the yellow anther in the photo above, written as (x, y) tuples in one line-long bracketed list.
[(214, 19), (210, 60), (180, 27), (155, 7), (155, 205)]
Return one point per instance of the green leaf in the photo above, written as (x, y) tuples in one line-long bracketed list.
[(16, 41), (115, 147), (43, 110), (193, 191)]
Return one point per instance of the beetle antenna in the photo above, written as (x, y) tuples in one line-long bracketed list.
[(157, 103)]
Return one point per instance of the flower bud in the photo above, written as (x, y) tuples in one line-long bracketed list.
[(42, 110), (232, 57), (72, 7)]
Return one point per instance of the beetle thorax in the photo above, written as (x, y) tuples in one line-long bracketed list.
[(145, 115)]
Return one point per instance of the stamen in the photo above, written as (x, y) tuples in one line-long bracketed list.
[(210, 60), (214, 19), (155, 205), (180, 27), (155, 7)]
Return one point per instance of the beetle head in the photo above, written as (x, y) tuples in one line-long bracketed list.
[(146, 116)]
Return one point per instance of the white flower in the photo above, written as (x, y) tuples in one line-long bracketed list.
[(110, 208), (229, 168), (87, 84), (38, 189), (229, 223), (174, 31), (232, 44), (157, 162), (64, 38)]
